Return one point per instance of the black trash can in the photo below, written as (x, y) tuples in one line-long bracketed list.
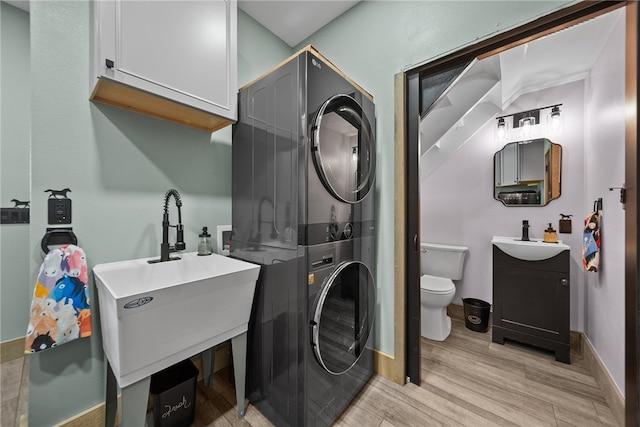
[(173, 391), (476, 314)]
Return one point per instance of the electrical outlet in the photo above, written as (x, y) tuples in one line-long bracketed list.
[(59, 211)]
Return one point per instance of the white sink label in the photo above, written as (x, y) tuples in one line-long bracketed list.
[(138, 302)]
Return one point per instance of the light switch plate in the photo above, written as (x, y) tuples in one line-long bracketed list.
[(59, 211)]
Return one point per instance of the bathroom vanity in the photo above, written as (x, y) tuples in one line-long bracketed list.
[(531, 294)]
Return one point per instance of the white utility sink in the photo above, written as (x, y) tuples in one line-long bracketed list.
[(155, 315), (532, 250)]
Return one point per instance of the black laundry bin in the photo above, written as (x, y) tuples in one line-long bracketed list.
[(476, 314), (173, 392)]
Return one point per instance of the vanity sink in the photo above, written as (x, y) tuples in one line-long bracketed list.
[(156, 315), (531, 250)]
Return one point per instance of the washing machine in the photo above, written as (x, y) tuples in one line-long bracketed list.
[(303, 157), (303, 167), (310, 338)]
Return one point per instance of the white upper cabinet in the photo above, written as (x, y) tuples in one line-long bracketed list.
[(175, 60), (532, 160), (510, 165)]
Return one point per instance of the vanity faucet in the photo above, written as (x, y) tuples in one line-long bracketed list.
[(525, 230)]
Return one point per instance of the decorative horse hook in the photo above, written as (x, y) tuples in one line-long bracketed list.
[(17, 203), (55, 193)]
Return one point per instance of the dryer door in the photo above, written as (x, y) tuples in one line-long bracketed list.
[(343, 149), (343, 317)]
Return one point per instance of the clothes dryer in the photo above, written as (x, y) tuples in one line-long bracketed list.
[(310, 339), (304, 157)]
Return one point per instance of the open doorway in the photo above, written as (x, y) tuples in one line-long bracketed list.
[(414, 106)]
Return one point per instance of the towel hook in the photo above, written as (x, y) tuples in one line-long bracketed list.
[(597, 205), (58, 236)]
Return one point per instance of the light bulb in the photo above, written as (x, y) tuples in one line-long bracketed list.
[(526, 126), (501, 132), (555, 120)]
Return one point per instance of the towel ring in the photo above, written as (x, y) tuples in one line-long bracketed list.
[(58, 236)]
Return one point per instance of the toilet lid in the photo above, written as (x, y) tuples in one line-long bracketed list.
[(436, 285)]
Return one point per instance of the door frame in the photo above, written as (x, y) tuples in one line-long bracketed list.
[(407, 221)]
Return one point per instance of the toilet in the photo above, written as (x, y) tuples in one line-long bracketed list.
[(439, 265)]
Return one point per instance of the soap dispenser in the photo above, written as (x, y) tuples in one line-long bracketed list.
[(550, 235), (204, 244)]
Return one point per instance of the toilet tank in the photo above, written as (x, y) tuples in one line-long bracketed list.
[(442, 260)]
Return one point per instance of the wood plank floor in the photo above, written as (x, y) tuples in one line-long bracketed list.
[(466, 381), (14, 386)]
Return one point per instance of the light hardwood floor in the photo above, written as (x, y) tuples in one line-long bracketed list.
[(466, 381), (14, 382)]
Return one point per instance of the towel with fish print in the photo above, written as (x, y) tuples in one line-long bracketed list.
[(60, 310)]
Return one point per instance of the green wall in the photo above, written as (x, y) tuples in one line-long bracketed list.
[(118, 165), (372, 42), (14, 169)]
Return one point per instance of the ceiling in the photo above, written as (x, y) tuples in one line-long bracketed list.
[(294, 21), (489, 86)]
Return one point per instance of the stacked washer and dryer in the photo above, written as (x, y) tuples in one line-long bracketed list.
[(303, 207)]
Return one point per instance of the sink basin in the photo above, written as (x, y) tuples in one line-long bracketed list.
[(533, 250), (155, 315)]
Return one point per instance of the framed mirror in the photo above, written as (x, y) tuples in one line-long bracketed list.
[(527, 173)]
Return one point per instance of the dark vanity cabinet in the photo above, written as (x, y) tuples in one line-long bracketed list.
[(531, 301)]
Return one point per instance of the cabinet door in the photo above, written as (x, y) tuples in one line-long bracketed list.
[(532, 160), (532, 301), (509, 165), (497, 169), (184, 51)]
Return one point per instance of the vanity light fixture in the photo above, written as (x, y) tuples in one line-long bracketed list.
[(528, 120)]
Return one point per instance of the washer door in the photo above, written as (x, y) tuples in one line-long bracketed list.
[(343, 317), (343, 149)]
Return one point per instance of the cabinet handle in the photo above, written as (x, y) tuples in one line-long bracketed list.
[(564, 282)]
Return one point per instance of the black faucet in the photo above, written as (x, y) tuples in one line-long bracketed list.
[(165, 249), (255, 241), (525, 230)]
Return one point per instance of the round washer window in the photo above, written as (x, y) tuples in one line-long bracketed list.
[(343, 149), (343, 317)]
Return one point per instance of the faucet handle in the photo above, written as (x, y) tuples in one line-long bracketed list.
[(180, 245)]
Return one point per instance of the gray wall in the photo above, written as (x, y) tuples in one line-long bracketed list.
[(14, 170), (459, 208), (604, 168), (377, 39), (592, 161), (118, 165)]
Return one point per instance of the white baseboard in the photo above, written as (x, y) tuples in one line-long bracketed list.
[(612, 394)]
